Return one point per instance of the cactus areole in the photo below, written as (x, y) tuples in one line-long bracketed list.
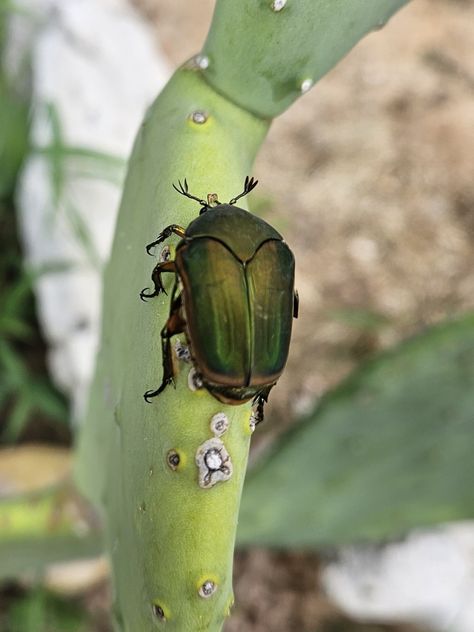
[(233, 298)]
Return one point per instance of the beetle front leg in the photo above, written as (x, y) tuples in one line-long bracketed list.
[(165, 266), (174, 325), (167, 232)]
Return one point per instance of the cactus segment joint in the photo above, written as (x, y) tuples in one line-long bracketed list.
[(201, 61), (213, 462), (197, 62), (306, 85)]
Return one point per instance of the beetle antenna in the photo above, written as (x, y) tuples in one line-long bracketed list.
[(183, 190), (249, 184)]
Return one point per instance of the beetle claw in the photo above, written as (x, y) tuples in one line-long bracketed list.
[(144, 296), (147, 396)]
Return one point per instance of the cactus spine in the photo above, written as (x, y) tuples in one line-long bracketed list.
[(170, 529)]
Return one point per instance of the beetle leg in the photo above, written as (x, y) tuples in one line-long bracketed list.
[(164, 266), (174, 325), (261, 399), (167, 232), (296, 304)]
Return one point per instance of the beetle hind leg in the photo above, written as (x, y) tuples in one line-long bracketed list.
[(174, 325), (165, 266), (260, 400)]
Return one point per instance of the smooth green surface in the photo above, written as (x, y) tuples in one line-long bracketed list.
[(389, 450), (259, 58), (165, 533)]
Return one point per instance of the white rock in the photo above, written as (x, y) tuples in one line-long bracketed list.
[(96, 67), (426, 579)]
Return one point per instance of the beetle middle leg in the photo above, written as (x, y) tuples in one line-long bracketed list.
[(174, 325), (164, 266), (167, 232)]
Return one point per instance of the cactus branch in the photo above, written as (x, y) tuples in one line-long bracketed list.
[(169, 475), (263, 55)]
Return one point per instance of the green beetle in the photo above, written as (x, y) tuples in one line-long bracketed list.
[(233, 298)]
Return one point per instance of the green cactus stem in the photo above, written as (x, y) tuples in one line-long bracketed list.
[(171, 523), (264, 54), (168, 481)]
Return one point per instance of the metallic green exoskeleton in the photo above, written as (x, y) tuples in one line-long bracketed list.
[(233, 298)]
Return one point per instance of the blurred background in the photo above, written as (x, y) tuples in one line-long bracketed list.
[(369, 177)]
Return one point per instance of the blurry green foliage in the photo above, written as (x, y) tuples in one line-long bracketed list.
[(387, 451), (13, 116), (64, 159), (25, 389), (24, 386), (41, 611), (13, 136)]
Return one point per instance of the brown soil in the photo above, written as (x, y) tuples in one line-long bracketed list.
[(370, 179)]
